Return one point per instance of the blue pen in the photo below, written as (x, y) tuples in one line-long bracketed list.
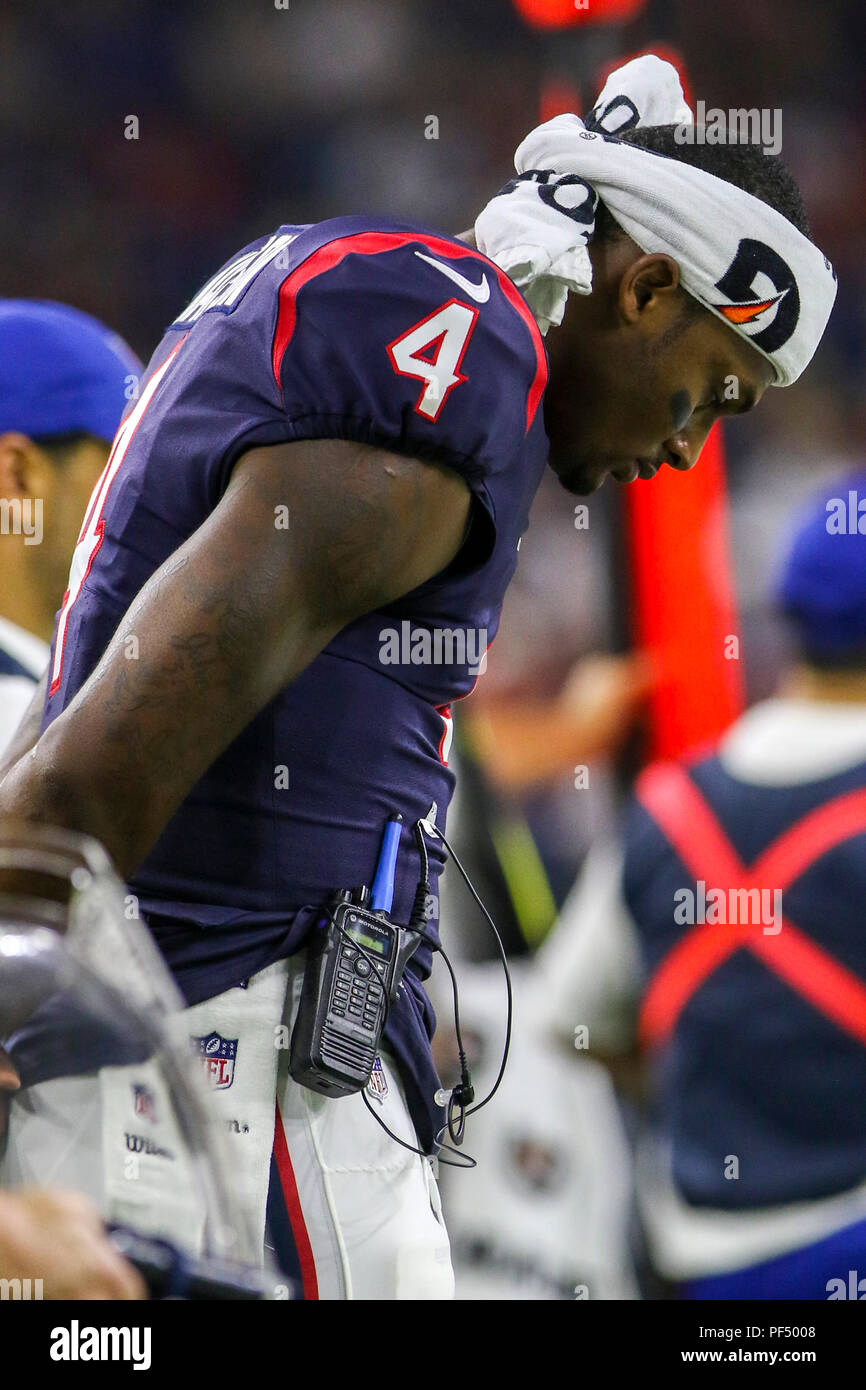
[(383, 884)]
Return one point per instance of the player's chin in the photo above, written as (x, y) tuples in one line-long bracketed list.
[(580, 477)]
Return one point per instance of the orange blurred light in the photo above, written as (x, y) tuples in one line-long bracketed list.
[(684, 604), (558, 98), (557, 14)]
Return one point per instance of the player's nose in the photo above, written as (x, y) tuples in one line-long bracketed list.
[(682, 450)]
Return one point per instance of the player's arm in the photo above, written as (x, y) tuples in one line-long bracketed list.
[(230, 618), (27, 732)]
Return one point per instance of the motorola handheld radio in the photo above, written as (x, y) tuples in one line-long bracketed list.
[(356, 957)]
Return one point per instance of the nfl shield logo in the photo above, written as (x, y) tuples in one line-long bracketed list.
[(218, 1058), (378, 1083), (144, 1102)]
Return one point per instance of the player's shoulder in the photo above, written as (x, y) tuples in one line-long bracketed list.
[(412, 258), (363, 263), (370, 236), (350, 314), (427, 296)]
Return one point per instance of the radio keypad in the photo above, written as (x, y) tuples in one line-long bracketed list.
[(357, 989)]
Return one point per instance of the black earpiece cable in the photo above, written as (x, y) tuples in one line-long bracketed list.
[(459, 1105)]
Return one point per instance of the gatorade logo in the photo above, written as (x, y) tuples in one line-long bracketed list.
[(765, 301)]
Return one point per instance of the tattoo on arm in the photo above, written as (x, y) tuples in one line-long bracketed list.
[(229, 620)]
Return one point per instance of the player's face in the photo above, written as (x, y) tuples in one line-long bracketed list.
[(624, 399)]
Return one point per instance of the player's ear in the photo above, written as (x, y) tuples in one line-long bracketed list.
[(648, 283), (16, 464)]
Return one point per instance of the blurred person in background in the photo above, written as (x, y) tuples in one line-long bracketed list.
[(519, 755), (547, 1214), (733, 932), (527, 742), (65, 380)]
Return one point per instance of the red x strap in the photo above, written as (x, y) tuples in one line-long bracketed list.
[(681, 813)]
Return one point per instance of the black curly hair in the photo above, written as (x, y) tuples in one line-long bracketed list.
[(61, 447), (744, 165)]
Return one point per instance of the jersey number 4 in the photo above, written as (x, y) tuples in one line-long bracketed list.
[(432, 351)]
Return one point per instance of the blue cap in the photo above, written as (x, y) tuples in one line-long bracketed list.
[(61, 371), (822, 583)]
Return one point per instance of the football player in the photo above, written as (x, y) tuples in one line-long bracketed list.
[(65, 380), (329, 466)]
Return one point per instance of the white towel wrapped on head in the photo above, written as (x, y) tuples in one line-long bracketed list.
[(738, 256)]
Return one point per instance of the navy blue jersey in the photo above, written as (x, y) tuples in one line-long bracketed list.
[(754, 1069), (359, 329)]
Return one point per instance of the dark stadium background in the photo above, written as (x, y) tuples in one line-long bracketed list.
[(251, 115)]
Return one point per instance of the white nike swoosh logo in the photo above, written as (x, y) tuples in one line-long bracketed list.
[(480, 293)]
